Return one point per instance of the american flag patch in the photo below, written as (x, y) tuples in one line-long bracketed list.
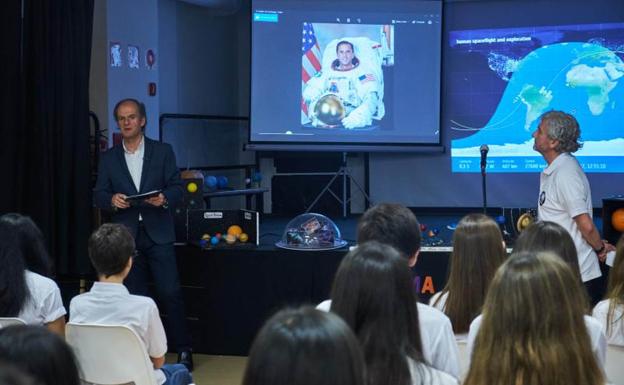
[(366, 78), (311, 63)]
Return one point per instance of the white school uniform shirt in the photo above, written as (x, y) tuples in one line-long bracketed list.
[(616, 336), (436, 334), (424, 374), (594, 329), (134, 161), (112, 304), (45, 304), (564, 194), (440, 303)]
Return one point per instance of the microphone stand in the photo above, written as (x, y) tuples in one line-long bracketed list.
[(483, 187)]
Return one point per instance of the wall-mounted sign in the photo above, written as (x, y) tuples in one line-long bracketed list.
[(150, 59)]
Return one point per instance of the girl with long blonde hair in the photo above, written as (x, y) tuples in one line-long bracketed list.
[(533, 330), (478, 250)]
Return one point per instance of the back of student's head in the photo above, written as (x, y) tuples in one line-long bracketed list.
[(373, 293), (10, 374), (392, 224), (305, 346), (533, 329), (551, 237), (40, 353), (110, 248), (31, 242), (13, 289), (478, 250)]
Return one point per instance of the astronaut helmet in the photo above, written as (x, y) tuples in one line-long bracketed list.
[(329, 110)]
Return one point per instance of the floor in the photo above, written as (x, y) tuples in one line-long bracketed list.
[(216, 370)]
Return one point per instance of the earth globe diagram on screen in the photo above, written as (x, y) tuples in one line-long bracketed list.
[(513, 76)]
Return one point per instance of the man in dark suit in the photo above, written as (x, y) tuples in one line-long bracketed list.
[(139, 165)]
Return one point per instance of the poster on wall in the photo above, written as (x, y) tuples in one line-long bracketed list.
[(115, 54), (133, 57)]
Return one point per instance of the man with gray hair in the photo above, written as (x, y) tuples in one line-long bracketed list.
[(565, 196)]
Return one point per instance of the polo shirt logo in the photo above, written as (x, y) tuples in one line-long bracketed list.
[(542, 198)]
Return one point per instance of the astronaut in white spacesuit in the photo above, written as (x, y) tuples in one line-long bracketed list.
[(355, 85)]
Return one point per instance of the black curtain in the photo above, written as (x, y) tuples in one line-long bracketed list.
[(11, 122), (45, 135)]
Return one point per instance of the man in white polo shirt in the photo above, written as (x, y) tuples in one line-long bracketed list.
[(565, 196)]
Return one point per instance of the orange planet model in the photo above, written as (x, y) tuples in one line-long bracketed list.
[(235, 230), (617, 219)]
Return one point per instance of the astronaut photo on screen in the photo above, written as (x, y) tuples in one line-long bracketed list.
[(348, 89)]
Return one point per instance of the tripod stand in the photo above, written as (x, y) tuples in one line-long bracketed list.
[(344, 172)]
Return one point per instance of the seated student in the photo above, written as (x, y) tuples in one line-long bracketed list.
[(610, 311), (39, 353), (26, 295), (305, 346), (533, 329), (478, 250), (109, 302), (395, 225), (373, 293), (31, 243), (550, 237)]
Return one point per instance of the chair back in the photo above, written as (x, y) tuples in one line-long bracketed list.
[(110, 355), (8, 321), (614, 367)]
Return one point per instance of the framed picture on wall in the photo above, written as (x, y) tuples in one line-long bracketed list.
[(115, 54), (133, 57)]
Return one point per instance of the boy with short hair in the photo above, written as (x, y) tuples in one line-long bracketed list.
[(109, 303)]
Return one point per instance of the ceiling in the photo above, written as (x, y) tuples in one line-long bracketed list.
[(224, 5)]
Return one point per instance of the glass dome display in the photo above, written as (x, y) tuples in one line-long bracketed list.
[(311, 232)]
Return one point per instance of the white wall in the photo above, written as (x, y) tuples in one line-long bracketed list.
[(202, 59), (204, 64), (136, 23), (168, 55)]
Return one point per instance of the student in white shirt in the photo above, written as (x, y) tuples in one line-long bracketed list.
[(396, 225), (31, 243), (533, 329), (550, 237), (109, 303), (373, 293), (553, 238), (305, 346), (31, 297), (478, 250), (610, 311)]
